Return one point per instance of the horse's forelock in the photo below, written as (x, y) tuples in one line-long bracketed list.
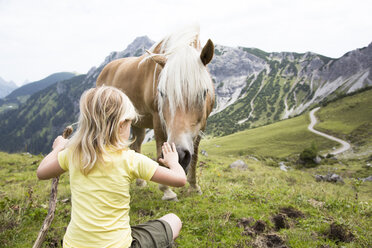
[(183, 80)]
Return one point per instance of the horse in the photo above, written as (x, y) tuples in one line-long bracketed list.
[(172, 90)]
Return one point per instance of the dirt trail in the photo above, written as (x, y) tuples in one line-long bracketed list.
[(344, 145)]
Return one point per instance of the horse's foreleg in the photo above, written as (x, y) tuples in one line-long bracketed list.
[(169, 195), (191, 175), (138, 136)]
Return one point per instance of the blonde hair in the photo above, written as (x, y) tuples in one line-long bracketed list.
[(102, 110)]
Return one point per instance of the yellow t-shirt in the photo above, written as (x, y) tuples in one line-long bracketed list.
[(100, 200)]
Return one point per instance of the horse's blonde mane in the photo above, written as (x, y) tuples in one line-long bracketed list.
[(184, 80)]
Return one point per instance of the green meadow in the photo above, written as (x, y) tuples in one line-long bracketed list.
[(279, 140), (260, 206), (350, 118)]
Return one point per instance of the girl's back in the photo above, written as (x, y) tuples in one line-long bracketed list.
[(100, 200)]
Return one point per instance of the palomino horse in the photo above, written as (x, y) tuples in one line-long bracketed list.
[(172, 90)]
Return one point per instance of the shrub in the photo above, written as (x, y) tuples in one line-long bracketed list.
[(330, 155), (308, 155)]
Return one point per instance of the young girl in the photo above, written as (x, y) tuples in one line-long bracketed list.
[(101, 168)]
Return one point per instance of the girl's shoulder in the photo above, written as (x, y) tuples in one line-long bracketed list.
[(135, 157), (128, 153)]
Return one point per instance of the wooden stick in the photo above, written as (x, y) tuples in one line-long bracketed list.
[(52, 202)]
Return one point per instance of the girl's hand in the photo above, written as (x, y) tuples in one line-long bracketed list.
[(174, 176), (170, 154), (49, 166), (59, 143)]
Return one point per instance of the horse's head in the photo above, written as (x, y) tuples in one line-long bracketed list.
[(185, 96)]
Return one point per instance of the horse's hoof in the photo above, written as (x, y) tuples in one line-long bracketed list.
[(141, 183), (170, 196), (195, 189), (164, 198)]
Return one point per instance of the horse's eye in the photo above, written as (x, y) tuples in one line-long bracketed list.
[(205, 93), (161, 94)]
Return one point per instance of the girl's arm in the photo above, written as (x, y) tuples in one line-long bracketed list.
[(174, 176), (49, 166)]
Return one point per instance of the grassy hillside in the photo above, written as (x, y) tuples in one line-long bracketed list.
[(212, 219), (349, 118), (280, 140)]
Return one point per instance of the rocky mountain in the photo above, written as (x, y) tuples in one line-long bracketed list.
[(253, 88), (21, 94), (6, 87)]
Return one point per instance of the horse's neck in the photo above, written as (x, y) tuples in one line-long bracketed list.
[(150, 70)]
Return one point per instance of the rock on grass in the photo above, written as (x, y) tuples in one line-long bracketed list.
[(238, 164)]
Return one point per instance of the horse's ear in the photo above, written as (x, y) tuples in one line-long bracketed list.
[(207, 52), (159, 59)]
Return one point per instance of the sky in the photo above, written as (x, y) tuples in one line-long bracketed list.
[(41, 37)]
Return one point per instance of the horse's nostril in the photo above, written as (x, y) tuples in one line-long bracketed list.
[(184, 158)]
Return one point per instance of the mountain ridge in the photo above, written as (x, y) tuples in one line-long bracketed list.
[(6, 87)]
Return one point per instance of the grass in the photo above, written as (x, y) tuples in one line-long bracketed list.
[(209, 220), (347, 114), (24, 201)]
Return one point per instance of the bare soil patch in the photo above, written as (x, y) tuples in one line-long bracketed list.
[(291, 212), (280, 221), (271, 240), (340, 233)]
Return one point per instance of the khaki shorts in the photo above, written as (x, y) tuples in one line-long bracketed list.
[(152, 234)]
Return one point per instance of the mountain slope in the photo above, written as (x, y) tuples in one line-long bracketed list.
[(349, 118), (39, 120), (34, 125), (6, 87), (21, 94)]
